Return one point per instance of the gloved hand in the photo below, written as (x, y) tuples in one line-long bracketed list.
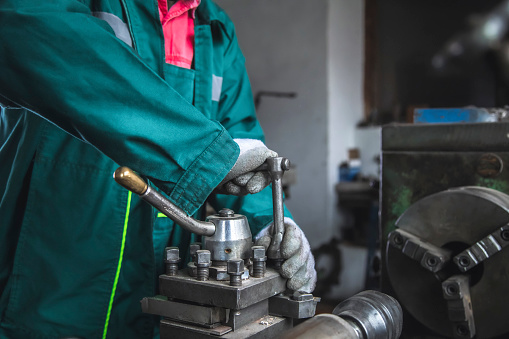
[(242, 179), (299, 264)]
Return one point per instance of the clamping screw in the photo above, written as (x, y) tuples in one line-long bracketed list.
[(462, 330), (259, 261), (505, 235), (452, 290), (172, 260), (398, 239), (432, 261), (202, 263), (464, 261), (235, 269)]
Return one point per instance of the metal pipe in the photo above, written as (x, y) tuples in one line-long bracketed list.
[(127, 178)]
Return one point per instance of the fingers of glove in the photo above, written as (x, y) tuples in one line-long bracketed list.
[(292, 239), (264, 241), (253, 153), (291, 266), (258, 182), (305, 278), (232, 189), (253, 158), (311, 283), (243, 179)]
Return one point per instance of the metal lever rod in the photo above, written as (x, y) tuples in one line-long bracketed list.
[(130, 180), (276, 167)]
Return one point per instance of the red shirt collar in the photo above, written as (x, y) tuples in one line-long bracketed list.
[(180, 7)]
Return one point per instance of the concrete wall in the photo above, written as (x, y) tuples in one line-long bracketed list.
[(313, 48)]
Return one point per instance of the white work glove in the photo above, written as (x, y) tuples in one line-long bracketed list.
[(242, 178), (299, 264)]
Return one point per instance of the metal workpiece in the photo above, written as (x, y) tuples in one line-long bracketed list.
[(172, 260), (300, 307), (235, 270), (323, 326), (367, 315), (259, 261), (456, 291), (130, 180), (220, 293), (232, 238), (202, 263), (379, 315), (201, 315), (483, 249), (432, 258), (276, 167)]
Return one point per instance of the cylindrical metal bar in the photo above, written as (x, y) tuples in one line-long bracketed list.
[(276, 168), (166, 207), (130, 180)]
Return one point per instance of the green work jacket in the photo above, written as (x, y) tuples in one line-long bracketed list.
[(83, 89)]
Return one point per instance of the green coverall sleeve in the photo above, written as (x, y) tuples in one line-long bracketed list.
[(63, 64), (237, 114)]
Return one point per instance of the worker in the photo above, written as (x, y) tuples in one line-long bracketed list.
[(87, 86)]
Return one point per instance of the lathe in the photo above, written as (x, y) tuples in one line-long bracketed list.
[(229, 291)]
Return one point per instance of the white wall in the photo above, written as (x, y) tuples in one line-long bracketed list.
[(284, 42), (313, 48), (345, 59)]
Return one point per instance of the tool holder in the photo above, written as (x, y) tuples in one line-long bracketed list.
[(227, 290)]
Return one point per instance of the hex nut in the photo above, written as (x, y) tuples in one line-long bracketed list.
[(202, 257), (235, 266), (172, 254)]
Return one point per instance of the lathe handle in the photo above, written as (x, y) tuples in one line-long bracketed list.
[(276, 167), (127, 178)]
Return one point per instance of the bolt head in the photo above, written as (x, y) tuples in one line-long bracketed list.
[(258, 252), (172, 253), (202, 257), (193, 248), (235, 266), (452, 289), (464, 261), (285, 164), (505, 234), (225, 212), (432, 261)]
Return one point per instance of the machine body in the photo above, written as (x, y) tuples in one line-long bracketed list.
[(444, 226)]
